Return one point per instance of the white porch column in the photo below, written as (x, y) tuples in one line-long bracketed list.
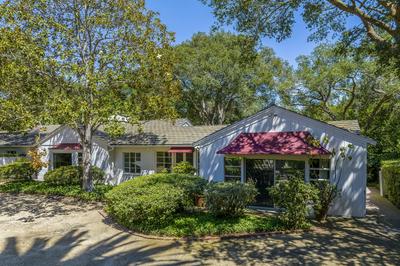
[(242, 170), (307, 172)]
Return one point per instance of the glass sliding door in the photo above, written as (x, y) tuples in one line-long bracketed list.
[(261, 173)]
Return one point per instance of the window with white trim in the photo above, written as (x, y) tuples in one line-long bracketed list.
[(319, 169), (131, 160), (184, 157), (164, 161), (284, 169), (232, 169)]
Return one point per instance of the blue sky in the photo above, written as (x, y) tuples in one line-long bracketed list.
[(186, 17)]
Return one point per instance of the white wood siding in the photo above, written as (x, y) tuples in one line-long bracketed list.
[(354, 172)]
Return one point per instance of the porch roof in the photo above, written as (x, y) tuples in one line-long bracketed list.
[(273, 143), (67, 146)]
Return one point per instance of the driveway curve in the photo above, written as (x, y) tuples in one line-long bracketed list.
[(39, 230)]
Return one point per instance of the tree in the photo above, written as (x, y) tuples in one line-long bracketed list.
[(225, 78), (332, 86), (105, 58), (22, 88), (379, 21)]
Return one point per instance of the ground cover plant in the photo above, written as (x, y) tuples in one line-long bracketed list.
[(202, 223), (43, 188)]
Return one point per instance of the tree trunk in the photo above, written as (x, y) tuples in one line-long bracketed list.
[(87, 182)]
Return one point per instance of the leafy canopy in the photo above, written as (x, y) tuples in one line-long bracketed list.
[(225, 78), (108, 57), (100, 59), (377, 21)]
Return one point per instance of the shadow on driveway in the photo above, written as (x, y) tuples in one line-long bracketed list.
[(64, 233)]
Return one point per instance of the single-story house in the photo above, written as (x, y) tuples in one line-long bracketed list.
[(263, 148)]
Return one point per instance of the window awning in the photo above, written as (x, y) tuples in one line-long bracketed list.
[(181, 149), (68, 146), (273, 143)]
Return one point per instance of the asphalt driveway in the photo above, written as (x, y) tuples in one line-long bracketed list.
[(36, 230)]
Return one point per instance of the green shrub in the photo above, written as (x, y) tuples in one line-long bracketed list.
[(38, 187), (327, 192), (391, 180), (293, 197), (72, 175), (184, 168), (149, 201), (64, 175), (20, 170), (229, 199)]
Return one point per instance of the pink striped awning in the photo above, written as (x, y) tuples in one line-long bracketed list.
[(278, 143), (68, 146)]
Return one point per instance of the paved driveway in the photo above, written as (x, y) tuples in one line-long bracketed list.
[(35, 230)]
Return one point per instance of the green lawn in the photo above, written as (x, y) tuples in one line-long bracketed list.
[(36, 187), (201, 223)]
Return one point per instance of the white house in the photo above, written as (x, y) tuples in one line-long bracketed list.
[(263, 148)]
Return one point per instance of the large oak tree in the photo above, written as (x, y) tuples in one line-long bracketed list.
[(224, 77), (377, 22), (105, 58)]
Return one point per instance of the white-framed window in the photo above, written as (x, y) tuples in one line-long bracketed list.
[(131, 160), (62, 159), (164, 161), (184, 157), (232, 169), (319, 169), (11, 153), (80, 158), (287, 168)]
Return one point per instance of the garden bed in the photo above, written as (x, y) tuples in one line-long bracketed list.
[(37, 187), (201, 223)]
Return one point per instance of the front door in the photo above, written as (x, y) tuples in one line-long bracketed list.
[(261, 172)]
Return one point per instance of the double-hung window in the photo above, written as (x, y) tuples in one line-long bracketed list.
[(131, 162), (319, 169), (232, 169), (164, 161)]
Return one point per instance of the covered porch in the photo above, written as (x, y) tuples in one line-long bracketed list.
[(265, 158)]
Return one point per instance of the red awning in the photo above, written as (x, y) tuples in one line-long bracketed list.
[(68, 146), (181, 149), (279, 143)]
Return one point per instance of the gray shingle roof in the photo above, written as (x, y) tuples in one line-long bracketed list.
[(27, 138), (351, 125), (163, 132), (152, 132)]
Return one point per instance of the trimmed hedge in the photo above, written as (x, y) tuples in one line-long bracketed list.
[(72, 175), (229, 199), (19, 170), (391, 180), (147, 202)]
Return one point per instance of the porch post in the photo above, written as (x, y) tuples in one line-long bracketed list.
[(242, 170), (307, 172)]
